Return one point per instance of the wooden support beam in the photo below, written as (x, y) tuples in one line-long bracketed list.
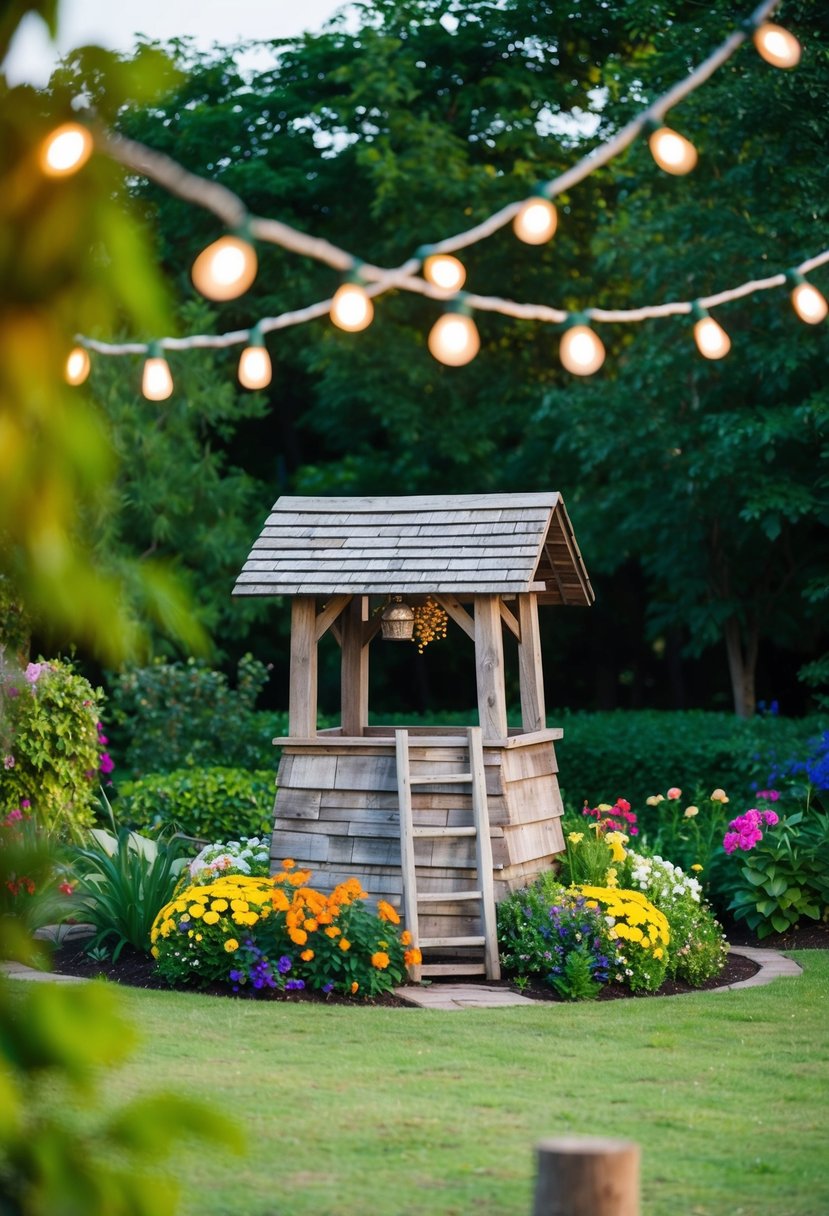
[(302, 692), (509, 620), (489, 667), (530, 670), (354, 668), (330, 613), (456, 612)]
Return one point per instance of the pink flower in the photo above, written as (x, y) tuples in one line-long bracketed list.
[(673, 792), (730, 841), (14, 692), (33, 672), (8, 762), (65, 888), (13, 817), (771, 818), (25, 804), (623, 804), (768, 795), (106, 764)]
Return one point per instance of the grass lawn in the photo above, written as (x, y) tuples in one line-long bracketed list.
[(390, 1112)]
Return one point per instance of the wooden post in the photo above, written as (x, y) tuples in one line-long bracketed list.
[(489, 666), (587, 1176), (530, 671), (302, 694), (354, 668)]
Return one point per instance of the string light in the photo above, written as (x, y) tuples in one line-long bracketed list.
[(581, 351), (807, 301), (445, 271), (225, 269), (454, 338), (776, 45), (671, 151), (65, 150), (255, 362), (711, 339), (156, 380), (76, 368), (536, 222), (351, 307)]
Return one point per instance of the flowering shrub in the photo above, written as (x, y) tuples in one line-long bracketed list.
[(687, 831), (52, 745), (553, 933), (641, 932), (278, 933), (247, 855), (36, 888), (617, 818)]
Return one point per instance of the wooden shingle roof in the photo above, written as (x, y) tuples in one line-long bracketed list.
[(459, 544)]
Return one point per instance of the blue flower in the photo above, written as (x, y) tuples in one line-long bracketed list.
[(284, 965)]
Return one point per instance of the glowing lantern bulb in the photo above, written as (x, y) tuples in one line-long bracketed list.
[(77, 366), (536, 222), (454, 339), (672, 151), (809, 304), (255, 365), (582, 351), (711, 339), (66, 150), (225, 269), (776, 45), (351, 308), (443, 270), (156, 381)]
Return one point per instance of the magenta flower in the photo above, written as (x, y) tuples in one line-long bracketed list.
[(25, 804), (768, 795), (14, 692), (730, 841), (771, 818), (107, 764)]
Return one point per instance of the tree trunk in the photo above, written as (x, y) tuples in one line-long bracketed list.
[(742, 666)]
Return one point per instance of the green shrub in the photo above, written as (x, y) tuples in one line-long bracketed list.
[(205, 803), (639, 753), (51, 746), (177, 715)]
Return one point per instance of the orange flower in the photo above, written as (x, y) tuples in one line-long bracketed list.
[(324, 918), (307, 955), (333, 931), (280, 901), (344, 944), (311, 925), (380, 960), (288, 864), (300, 878), (354, 986), (413, 957), (386, 912), (405, 938), (298, 936)]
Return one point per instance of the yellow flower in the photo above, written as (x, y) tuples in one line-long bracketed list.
[(154, 951), (199, 937), (617, 840), (654, 800), (658, 952), (239, 905), (218, 905), (719, 796), (612, 880), (344, 944), (604, 806), (575, 837), (231, 944), (196, 910), (380, 960), (210, 918), (696, 866), (386, 912), (691, 811), (645, 943), (307, 955)]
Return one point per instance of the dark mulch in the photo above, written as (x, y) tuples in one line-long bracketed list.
[(137, 970)]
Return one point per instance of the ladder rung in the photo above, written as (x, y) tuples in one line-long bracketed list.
[(447, 897), (453, 969), (449, 779), (428, 942), (438, 833)]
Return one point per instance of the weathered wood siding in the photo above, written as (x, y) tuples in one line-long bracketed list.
[(336, 812)]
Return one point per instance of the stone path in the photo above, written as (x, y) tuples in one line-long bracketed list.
[(447, 997)]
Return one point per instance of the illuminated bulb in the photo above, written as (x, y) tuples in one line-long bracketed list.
[(581, 351), (66, 150), (351, 308), (77, 366), (536, 222), (225, 269), (809, 304), (672, 151), (777, 46), (711, 339), (442, 270), (156, 382), (255, 367), (454, 339)]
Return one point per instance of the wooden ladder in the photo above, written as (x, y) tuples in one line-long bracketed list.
[(483, 894)]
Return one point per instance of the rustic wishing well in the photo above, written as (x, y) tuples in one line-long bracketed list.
[(440, 820)]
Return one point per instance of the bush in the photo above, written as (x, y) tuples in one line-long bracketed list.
[(633, 751), (51, 745), (205, 803), (36, 890), (176, 715), (265, 934), (641, 932)]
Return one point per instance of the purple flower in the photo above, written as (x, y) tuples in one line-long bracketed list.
[(284, 965), (33, 672), (14, 692), (328, 987), (294, 985)]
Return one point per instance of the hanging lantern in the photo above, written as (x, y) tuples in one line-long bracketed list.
[(397, 622)]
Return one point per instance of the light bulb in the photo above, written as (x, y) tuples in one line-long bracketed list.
[(711, 339), (225, 269), (76, 368), (156, 381), (777, 46), (809, 304), (672, 151), (582, 351), (454, 339), (536, 222), (351, 308), (442, 270), (66, 150), (255, 367)]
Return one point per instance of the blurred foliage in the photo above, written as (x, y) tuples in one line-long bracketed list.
[(215, 803)]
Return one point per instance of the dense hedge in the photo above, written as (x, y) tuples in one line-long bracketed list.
[(633, 754), (207, 803)]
